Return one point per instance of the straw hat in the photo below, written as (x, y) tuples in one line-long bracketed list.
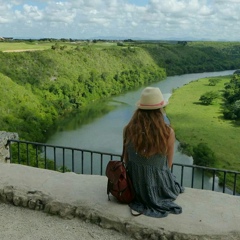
[(151, 98)]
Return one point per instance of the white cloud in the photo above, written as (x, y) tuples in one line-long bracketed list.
[(5, 13), (32, 12), (59, 12), (189, 19)]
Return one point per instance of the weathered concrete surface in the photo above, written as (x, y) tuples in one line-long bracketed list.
[(206, 214), (19, 223)]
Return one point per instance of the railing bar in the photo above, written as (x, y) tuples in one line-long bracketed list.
[(54, 158), (82, 160), (93, 155), (213, 184), (193, 171), (235, 184), (57, 146), (203, 175), (63, 160), (206, 168), (27, 148), (91, 163), (73, 154), (37, 155), (101, 159), (19, 161), (224, 182), (45, 157), (182, 172)]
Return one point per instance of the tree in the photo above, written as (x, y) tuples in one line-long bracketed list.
[(208, 97), (120, 44), (203, 155), (236, 109), (213, 81), (237, 72), (56, 46), (184, 43), (231, 96)]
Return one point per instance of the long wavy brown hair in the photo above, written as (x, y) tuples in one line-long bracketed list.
[(148, 132)]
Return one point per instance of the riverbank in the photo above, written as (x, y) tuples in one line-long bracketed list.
[(195, 123)]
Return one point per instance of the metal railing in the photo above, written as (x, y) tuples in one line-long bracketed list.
[(84, 161)]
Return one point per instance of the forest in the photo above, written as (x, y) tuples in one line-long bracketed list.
[(38, 87)]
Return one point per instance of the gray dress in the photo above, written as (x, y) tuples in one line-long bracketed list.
[(155, 186)]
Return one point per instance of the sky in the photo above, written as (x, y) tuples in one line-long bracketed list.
[(214, 20)]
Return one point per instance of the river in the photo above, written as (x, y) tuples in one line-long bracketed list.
[(100, 128)]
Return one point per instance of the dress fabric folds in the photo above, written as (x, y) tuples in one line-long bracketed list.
[(155, 186)]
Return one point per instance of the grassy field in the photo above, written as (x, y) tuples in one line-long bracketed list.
[(37, 45), (16, 46), (195, 123)]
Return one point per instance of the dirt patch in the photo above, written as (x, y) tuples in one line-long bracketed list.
[(22, 50)]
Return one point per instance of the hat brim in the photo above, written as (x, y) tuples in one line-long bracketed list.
[(149, 107)]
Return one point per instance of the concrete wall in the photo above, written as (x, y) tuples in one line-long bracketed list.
[(4, 149), (206, 214)]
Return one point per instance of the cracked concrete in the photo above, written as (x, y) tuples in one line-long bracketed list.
[(206, 214)]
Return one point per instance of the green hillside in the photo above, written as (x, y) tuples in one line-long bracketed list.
[(40, 86)]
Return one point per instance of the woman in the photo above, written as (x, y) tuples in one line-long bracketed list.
[(148, 154)]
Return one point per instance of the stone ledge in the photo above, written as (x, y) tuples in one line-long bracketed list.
[(206, 214)]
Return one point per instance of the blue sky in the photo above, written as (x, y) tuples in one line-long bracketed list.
[(137, 19), (138, 2)]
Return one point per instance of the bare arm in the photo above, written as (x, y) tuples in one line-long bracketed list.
[(170, 152)]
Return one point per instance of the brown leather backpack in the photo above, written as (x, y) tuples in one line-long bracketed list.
[(119, 183)]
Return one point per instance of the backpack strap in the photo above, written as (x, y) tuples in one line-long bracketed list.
[(124, 141), (108, 189), (135, 214), (123, 150)]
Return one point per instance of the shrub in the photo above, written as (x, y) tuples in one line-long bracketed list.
[(120, 44), (185, 148), (208, 97), (237, 72), (213, 81), (203, 155)]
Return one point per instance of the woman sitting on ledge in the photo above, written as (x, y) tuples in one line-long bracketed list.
[(148, 154)]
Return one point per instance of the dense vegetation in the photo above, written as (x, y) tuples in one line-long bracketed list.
[(40, 86), (196, 57), (231, 96)]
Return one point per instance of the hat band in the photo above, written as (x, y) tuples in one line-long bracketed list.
[(152, 105)]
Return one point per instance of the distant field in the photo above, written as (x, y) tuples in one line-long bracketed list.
[(30, 45), (16, 46), (37, 45), (195, 123)]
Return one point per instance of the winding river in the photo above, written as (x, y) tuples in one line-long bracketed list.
[(100, 128)]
